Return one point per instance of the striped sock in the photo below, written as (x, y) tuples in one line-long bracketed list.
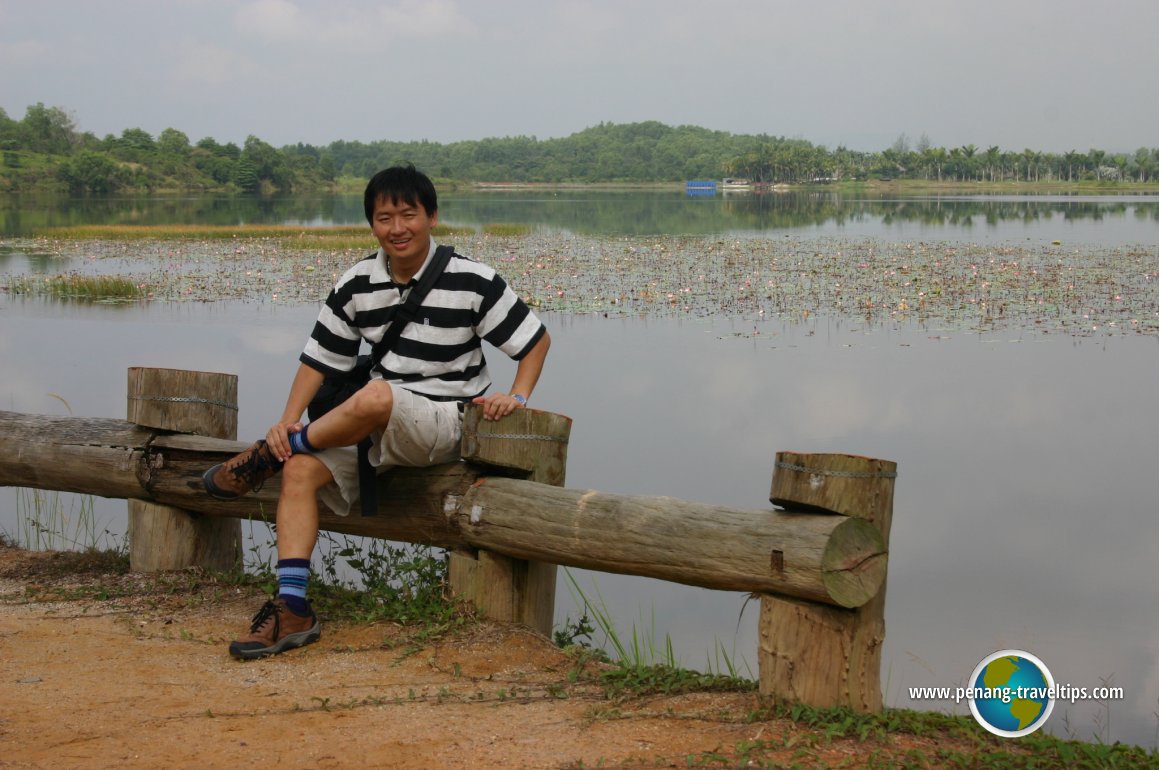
[(292, 577), (299, 444)]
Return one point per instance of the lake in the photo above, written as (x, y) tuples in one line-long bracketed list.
[(1079, 218), (1024, 515)]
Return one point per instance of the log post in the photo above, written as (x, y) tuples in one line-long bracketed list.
[(822, 655), (203, 403), (528, 444)]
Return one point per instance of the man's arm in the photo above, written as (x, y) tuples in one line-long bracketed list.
[(305, 385), (526, 376)]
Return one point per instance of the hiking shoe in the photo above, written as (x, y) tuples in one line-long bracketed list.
[(276, 628), (241, 474)]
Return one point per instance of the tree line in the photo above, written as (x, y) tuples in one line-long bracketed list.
[(46, 150)]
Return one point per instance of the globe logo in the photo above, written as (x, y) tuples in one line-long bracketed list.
[(1011, 693)]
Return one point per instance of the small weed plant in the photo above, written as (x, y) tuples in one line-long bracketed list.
[(52, 521), (639, 666), (365, 579)]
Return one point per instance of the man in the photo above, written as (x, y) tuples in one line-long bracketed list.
[(411, 408)]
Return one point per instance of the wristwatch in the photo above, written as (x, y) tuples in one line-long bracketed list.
[(521, 399)]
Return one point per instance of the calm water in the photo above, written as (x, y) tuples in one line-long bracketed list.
[(1075, 219), (1024, 514)]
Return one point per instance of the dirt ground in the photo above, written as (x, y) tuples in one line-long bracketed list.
[(124, 671)]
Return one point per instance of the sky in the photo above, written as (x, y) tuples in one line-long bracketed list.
[(1049, 75)]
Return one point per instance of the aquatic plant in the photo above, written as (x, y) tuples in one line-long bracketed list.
[(1042, 288), (74, 286)]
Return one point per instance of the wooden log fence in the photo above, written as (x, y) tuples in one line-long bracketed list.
[(818, 565), (165, 537)]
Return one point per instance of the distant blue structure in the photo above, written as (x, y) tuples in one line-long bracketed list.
[(700, 187)]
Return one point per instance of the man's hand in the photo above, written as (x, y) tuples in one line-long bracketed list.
[(526, 375), (278, 438), (498, 405)]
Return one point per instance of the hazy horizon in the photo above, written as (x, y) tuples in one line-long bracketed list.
[(1049, 75)]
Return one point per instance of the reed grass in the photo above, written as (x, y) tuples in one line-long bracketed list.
[(327, 237), (326, 240), (502, 228), (86, 288), (188, 232), (644, 664), (343, 238), (50, 522)]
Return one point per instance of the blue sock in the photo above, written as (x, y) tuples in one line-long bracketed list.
[(299, 444), (292, 577)]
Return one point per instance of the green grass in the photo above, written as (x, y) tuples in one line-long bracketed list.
[(46, 523), (337, 237), (377, 580), (500, 228), (641, 668), (948, 741), (641, 664), (356, 238), (82, 288), (359, 582), (184, 232)]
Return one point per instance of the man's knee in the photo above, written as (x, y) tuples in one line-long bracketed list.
[(305, 472), (373, 401)]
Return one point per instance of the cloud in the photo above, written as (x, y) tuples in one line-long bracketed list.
[(427, 18), (299, 70), (342, 26), (273, 20), (23, 54), (210, 65)]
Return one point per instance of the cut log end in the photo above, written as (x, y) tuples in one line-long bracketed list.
[(853, 565)]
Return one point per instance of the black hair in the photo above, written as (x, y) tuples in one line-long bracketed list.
[(404, 184)]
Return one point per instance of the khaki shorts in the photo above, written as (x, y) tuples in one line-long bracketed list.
[(421, 432)]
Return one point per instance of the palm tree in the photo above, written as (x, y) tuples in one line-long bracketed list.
[(956, 163), (968, 153), (1072, 159), (1095, 161), (1120, 162), (992, 156), (1143, 163), (940, 156), (1028, 160)]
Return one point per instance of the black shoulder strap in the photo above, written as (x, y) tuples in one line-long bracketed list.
[(408, 309)]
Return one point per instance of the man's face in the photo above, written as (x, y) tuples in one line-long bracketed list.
[(403, 230)]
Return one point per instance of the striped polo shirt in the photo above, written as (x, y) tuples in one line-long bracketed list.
[(440, 353)]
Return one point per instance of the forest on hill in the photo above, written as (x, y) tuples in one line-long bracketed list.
[(45, 150)]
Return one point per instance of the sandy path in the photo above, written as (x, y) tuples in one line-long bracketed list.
[(145, 682)]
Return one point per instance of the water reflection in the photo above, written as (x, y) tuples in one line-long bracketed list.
[(1135, 217), (20, 215), (1024, 513), (17, 261)]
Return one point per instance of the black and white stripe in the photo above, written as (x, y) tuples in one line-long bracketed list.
[(440, 353)]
